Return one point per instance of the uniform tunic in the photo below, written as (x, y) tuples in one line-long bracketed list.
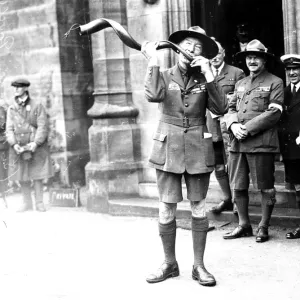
[(251, 106), (289, 130), (181, 142), (26, 123)]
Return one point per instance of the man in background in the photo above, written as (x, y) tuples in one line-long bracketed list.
[(29, 156), (253, 113), (289, 130), (226, 77)]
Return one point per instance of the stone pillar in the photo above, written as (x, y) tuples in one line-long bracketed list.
[(113, 170), (291, 13)]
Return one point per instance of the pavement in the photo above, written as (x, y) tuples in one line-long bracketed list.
[(72, 254)]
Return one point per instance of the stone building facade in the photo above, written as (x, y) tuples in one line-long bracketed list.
[(92, 86)]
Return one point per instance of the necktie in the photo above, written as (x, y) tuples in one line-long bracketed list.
[(217, 72), (294, 91)]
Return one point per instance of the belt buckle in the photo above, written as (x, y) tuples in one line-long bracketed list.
[(186, 122)]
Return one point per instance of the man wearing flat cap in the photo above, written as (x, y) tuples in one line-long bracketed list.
[(253, 113), (29, 157), (289, 129), (182, 146)]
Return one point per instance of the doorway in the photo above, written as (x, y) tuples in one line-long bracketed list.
[(220, 19)]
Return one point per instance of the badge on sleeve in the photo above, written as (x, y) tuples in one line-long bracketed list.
[(173, 86)]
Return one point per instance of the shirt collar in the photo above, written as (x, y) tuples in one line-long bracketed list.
[(297, 86), (219, 69)]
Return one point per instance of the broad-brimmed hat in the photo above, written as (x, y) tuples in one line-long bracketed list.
[(20, 82), (257, 48), (291, 60), (210, 48)]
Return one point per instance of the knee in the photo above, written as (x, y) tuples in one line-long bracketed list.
[(269, 195), (167, 212), (198, 209), (220, 171)]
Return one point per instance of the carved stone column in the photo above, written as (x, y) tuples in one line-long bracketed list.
[(113, 170), (291, 13)]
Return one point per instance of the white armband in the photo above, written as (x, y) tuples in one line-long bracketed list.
[(278, 106)]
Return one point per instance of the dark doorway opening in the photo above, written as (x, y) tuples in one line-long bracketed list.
[(220, 19)]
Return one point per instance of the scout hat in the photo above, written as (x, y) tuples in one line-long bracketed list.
[(257, 48), (21, 82), (291, 60), (210, 47)]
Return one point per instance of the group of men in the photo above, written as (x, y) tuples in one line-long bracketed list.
[(24, 134), (212, 117)]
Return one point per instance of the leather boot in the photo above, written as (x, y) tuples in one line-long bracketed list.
[(26, 194), (38, 189)]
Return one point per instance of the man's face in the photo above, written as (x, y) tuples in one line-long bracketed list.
[(242, 34), (293, 74), (20, 91), (219, 58), (192, 46), (255, 63)]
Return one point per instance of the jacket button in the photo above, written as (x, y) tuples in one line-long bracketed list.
[(244, 110), (246, 102), (186, 104), (248, 93), (185, 130)]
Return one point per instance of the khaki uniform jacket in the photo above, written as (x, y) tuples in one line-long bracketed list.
[(226, 81), (181, 142), (17, 128), (256, 105), (289, 125)]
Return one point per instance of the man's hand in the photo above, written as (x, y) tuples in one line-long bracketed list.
[(32, 146), (149, 49), (298, 140), (18, 149), (239, 131), (203, 63)]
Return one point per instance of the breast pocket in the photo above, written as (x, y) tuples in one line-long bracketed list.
[(260, 101), (158, 154), (227, 87)]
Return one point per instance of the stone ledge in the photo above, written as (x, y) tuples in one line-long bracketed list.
[(282, 217)]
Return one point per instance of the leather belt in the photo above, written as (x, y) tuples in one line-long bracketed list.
[(183, 122)]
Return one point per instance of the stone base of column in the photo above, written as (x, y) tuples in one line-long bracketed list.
[(116, 181)]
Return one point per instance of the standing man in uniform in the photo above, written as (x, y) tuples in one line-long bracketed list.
[(29, 156), (253, 113), (289, 129), (182, 145), (225, 76)]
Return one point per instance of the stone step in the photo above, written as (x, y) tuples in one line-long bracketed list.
[(282, 217), (285, 198)]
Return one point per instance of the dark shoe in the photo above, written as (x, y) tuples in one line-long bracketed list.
[(164, 272), (262, 234), (40, 207), (203, 276), (293, 235), (238, 232), (222, 206)]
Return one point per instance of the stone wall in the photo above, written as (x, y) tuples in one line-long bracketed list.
[(60, 72)]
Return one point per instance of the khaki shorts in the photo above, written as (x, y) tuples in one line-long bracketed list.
[(170, 186), (260, 166)]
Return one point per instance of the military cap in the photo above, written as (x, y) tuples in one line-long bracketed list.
[(257, 48), (209, 45), (291, 60), (20, 82)]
